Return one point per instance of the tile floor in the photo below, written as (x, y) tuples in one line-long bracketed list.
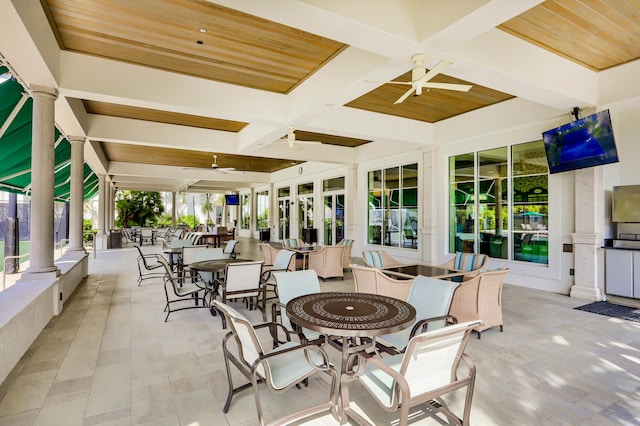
[(110, 359)]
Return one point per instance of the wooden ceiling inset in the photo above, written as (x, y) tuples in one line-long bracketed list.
[(188, 158), (597, 34), (329, 139), (236, 48), (126, 111), (432, 105)]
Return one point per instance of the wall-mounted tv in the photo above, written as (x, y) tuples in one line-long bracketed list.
[(585, 142), (231, 199)]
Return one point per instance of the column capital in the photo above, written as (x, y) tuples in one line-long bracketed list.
[(77, 139), (38, 90)]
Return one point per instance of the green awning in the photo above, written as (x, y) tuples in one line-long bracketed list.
[(16, 112)]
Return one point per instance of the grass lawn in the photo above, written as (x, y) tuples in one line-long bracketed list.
[(24, 248)]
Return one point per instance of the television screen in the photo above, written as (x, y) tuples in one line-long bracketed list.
[(231, 199), (586, 142)]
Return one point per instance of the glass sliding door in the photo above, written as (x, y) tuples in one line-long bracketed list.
[(284, 212), (305, 208), (333, 201), (493, 207)]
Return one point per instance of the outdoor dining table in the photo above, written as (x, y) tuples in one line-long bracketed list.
[(349, 316), (304, 251), (412, 271), (215, 266)]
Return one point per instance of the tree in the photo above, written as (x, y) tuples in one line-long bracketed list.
[(138, 208), (207, 206)]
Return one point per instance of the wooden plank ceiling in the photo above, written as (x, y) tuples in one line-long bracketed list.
[(597, 34), (188, 158), (207, 40)]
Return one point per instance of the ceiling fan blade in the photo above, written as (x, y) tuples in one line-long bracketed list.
[(405, 96), (448, 86), (441, 66), (390, 82)]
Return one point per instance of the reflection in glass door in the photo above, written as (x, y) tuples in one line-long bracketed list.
[(333, 218), (283, 218)]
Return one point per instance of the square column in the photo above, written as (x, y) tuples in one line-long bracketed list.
[(588, 238)]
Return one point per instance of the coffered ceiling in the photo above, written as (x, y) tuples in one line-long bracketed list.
[(158, 86)]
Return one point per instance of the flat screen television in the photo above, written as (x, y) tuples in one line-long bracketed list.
[(231, 199), (585, 142)]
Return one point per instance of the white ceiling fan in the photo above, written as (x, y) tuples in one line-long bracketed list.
[(214, 167), (420, 78), (291, 140)]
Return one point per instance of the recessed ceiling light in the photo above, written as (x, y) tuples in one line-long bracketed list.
[(202, 30)]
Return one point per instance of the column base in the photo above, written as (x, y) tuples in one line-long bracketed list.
[(591, 294)]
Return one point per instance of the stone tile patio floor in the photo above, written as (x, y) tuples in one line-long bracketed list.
[(110, 359)]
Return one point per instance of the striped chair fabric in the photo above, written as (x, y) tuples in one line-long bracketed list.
[(468, 261), (373, 258), (291, 243)]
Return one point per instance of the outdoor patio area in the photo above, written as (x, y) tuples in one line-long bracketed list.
[(110, 359)]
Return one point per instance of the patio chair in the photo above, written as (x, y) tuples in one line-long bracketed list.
[(292, 243), (182, 291), (269, 252), (480, 298), (468, 262), (279, 369), (346, 255), (147, 234), (149, 266), (410, 237), (242, 280), (426, 371), (379, 259), (204, 253), (230, 249), (284, 261), (431, 297), (373, 280), (327, 262), (291, 285)]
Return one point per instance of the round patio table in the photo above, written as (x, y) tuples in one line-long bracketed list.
[(350, 315)]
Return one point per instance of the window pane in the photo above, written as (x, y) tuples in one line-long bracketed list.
[(375, 207), (245, 211), (262, 210), (334, 184), (530, 203), (410, 206), (461, 202), (493, 213), (284, 192), (391, 202)]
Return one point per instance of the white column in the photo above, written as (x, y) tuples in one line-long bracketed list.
[(42, 181), (428, 228), (76, 208), (588, 238), (351, 194), (101, 240), (173, 209)]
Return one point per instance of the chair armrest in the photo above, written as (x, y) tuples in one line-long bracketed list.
[(422, 325)]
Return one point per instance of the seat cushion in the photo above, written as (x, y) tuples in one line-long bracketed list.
[(468, 261), (373, 258)]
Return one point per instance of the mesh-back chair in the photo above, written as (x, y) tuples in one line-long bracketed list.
[(284, 261), (230, 249), (279, 369), (242, 280), (177, 291), (426, 371), (291, 285), (149, 266), (206, 253), (147, 234), (431, 297)]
